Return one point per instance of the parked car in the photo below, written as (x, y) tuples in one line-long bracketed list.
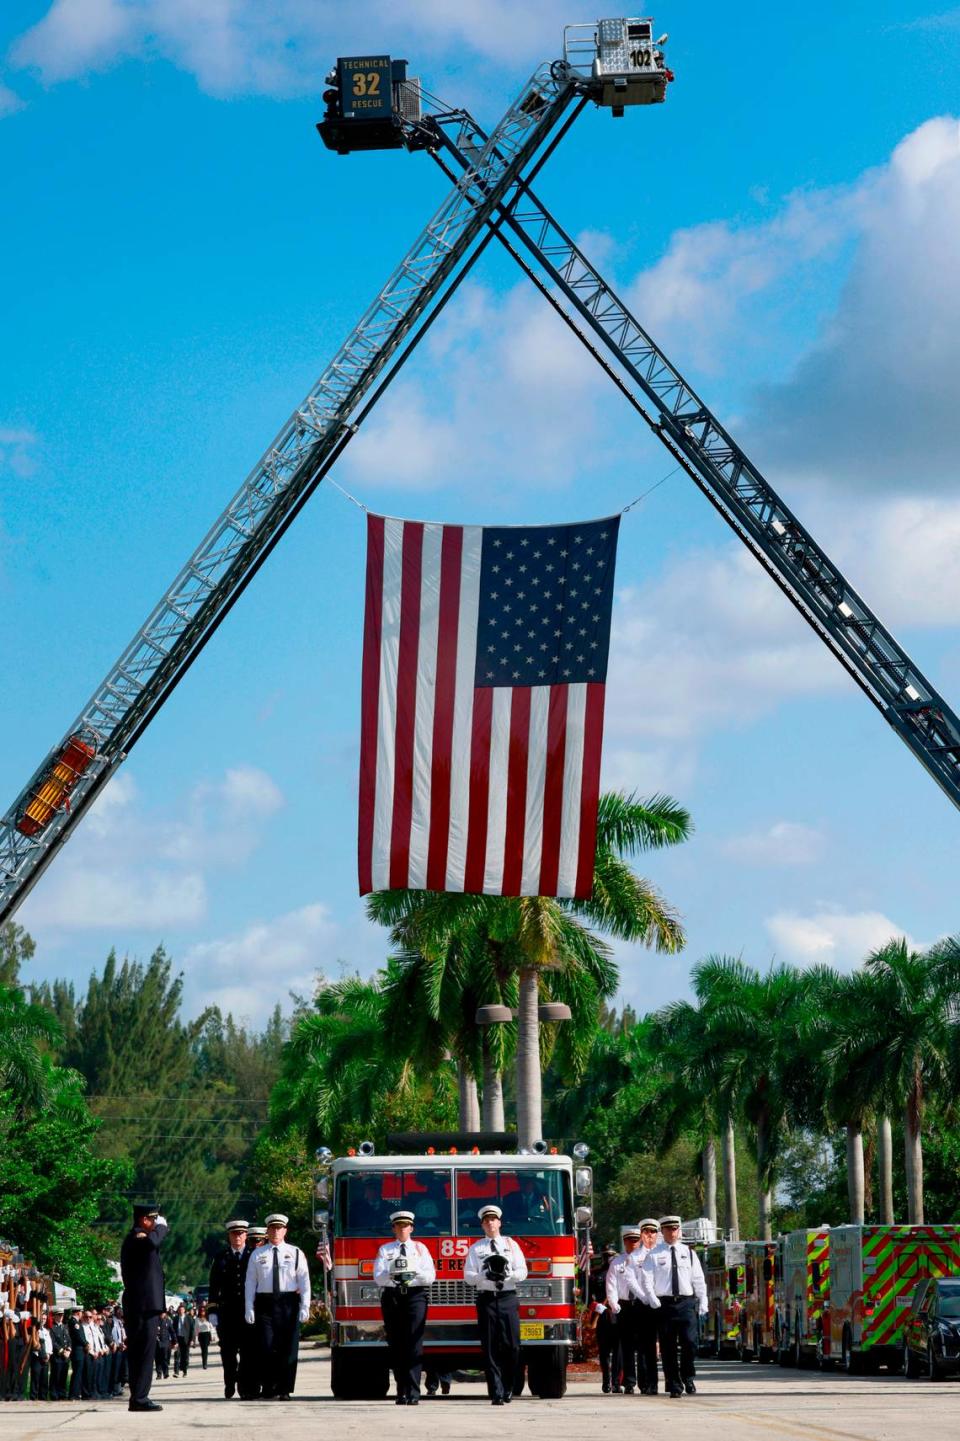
[(931, 1331)]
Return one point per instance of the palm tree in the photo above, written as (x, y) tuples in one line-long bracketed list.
[(758, 1026), (531, 938), (345, 1072), (687, 1098), (910, 1045), (26, 1034)]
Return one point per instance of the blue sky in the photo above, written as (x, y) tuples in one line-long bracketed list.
[(181, 257)]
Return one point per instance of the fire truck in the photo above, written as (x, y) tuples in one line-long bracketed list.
[(802, 1290), (873, 1273), (758, 1333), (724, 1265), (545, 1201)]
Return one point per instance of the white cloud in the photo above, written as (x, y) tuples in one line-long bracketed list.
[(874, 403), (249, 972), (785, 843), (832, 936), (9, 101), (708, 644), (233, 46), (17, 444), (510, 368), (129, 866)]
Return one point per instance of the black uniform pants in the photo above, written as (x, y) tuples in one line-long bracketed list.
[(162, 1355), (677, 1328), (627, 1325), (278, 1340), (608, 1348), (237, 1355), (204, 1342), (498, 1316), (404, 1317), (141, 1347), (39, 1376), (76, 1375), (645, 1328), (58, 1378), (183, 1350)]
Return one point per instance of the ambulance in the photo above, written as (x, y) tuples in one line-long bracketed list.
[(802, 1291), (758, 1314), (874, 1271), (724, 1265)]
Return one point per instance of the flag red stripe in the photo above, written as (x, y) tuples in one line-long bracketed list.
[(590, 788), (553, 790), (451, 554), (516, 791), (479, 790), (410, 581), (370, 699)]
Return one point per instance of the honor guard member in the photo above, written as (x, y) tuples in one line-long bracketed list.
[(404, 1271), (679, 1284), (60, 1336), (256, 1236), (494, 1265), (226, 1304), (645, 1315), (144, 1297), (627, 1288), (277, 1298), (608, 1336)]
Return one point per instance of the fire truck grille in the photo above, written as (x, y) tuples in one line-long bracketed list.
[(452, 1293)]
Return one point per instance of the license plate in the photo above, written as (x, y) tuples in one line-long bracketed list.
[(531, 1330)]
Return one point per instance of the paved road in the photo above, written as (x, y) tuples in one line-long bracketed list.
[(735, 1403)]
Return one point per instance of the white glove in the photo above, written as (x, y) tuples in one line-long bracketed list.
[(248, 1317), (599, 1307)]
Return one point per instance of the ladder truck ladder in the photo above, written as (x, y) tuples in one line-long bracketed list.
[(162, 650), (669, 405)]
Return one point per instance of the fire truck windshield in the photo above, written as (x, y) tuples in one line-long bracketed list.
[(534, 1203), (366, 1198)]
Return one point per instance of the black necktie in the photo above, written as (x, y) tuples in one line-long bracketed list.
[(276, 1272), (674, 1273), (493, 1248)]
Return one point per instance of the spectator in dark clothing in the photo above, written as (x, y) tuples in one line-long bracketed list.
[(185, 1326), (166, 1340)]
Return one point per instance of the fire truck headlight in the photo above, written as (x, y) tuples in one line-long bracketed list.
[(540, 1148), (366, 1148), (321, 1218), (324, 1154), (583, 1180), (581, 1151), (584, 1215)]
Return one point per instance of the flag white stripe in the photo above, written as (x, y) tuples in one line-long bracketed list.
[(572, 781), (536, 781), (426, 696), (387, 710), (497, 794), (463, 706)]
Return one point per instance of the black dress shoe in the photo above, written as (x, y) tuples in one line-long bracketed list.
[(497, 1401), (690, 1388), (605, 1388), (675, 1391), (144, 1406), (229, 1392), (401, 1401), (445, 1388), (432, 1390), (616, 1390), (414, 1398), (628, 1390)]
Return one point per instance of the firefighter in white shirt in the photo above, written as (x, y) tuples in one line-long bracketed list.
[(404, 1271), (628, 1287), (646, 1316), (277, 1300), (682, 1291), (494, 1265)]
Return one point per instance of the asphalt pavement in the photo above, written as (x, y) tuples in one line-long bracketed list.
[(734, 1401)]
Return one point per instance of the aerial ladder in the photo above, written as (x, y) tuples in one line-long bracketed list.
[(371, 104)]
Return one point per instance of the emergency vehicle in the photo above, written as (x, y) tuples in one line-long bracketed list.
[(545, 1201), (802, 1289), (873, 1273), (724, 1265), (758, 1315)]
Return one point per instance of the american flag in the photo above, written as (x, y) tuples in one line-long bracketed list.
[(484, 668)]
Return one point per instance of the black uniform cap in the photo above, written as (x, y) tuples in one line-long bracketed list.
[(145, 1208)]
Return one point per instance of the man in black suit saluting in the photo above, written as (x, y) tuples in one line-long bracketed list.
[(143, 1299)]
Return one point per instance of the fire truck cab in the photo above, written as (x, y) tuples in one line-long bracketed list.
[(445, 1191), (802, 1292)]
